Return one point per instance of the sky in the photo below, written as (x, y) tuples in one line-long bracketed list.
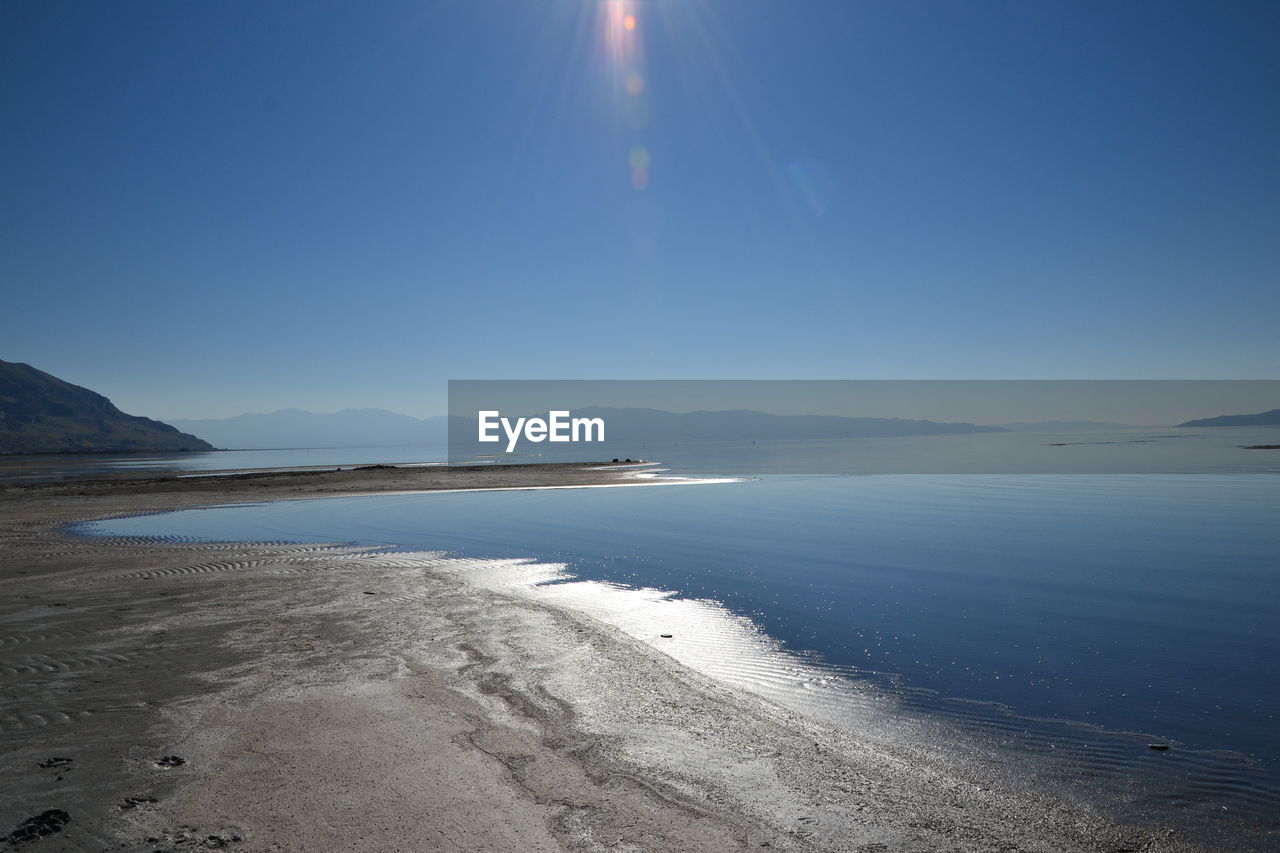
[(218, 208)]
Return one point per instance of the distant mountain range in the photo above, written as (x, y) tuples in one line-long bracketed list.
[(40, 413), (297, 428), (1271, 418), (382, 428)]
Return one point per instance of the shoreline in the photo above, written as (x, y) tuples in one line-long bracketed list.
[(351, 700)]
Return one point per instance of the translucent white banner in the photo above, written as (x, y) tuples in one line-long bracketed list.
[(874, 427)]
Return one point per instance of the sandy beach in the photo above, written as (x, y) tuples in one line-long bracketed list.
[(170, 695)]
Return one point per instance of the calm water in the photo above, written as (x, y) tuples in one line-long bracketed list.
[(1141, 604)]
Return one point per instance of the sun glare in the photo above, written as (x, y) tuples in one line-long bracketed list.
[(621, 31)]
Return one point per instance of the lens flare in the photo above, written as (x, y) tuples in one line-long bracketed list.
[(624, 49), (621, 26)]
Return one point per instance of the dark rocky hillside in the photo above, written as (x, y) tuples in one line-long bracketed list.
[(40, 413), (1271, 418)]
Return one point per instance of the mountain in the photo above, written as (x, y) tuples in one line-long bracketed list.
[(642, 425), (1271, 418), (40, 413), (296, 428)]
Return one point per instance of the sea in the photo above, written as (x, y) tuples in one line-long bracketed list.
[(1112, 636)]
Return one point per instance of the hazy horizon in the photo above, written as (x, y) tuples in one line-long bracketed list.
[(917, 411)]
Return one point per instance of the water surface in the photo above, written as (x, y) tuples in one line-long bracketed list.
[(1081, 615)]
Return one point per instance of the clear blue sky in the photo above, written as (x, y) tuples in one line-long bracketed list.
[(218, 207)]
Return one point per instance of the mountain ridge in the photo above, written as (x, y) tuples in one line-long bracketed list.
[(1268, 418), (40, 413)]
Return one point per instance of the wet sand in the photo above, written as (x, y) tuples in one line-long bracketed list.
[(165, 695)]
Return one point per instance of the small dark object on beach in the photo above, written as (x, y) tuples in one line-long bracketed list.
[(134, 802), (1056, 444), (171, 761), (615, 459), (366, 592), (1261, 446), (665, 636), (35, 828), (626, 460), (1158, 747), (54, 762)]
